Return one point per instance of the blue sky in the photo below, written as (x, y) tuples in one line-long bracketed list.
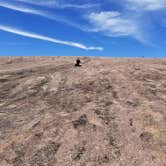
[(125, 28)]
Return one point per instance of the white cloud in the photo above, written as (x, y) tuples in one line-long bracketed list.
[(81, 6), (42, 13), (148, 5), (113, 24), (48, 3), (58, 4), (25, 9), (49, 39)]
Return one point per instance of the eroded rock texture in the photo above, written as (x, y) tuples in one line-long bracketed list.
[(108, 112)]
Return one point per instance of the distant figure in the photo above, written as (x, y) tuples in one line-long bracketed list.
[(78, 63)]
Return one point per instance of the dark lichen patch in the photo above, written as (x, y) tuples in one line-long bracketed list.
[(103, 159), (46, 155), (114, 94), (131, 122), (18, 161), (146, 137), (79, 151), (2, 80), (112, 141), (38, 135), (105, 115), (82, 121), (19, 151)]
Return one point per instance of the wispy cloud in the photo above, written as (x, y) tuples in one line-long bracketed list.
[(25, 9), (114, 24), (59, 4), (45, 38), (81, 6), (48, 3), (147, 5), (42, 13)]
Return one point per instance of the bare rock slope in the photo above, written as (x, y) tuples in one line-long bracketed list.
[(109, 112)]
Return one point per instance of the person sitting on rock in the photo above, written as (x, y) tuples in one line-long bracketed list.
[(78, 62)]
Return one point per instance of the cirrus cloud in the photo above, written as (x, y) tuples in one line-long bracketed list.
[(37, 12), (59, 4), (46, 38), (148, 5)]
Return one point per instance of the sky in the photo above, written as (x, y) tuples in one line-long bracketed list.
[(111, 28)]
